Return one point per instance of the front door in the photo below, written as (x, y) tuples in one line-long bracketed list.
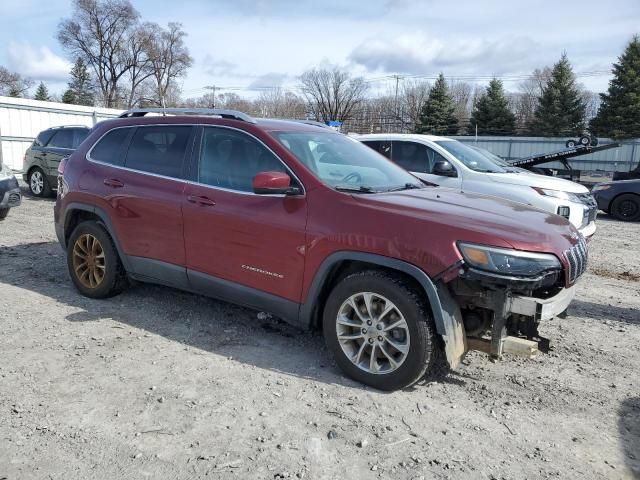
[(234, 235)]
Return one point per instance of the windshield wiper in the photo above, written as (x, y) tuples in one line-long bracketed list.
[(406, 186), (354, 188)]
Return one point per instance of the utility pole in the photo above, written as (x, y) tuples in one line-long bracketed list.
[(397, 113), (213, 91)]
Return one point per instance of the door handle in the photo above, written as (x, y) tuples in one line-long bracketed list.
[(113, 182), (200, 200)]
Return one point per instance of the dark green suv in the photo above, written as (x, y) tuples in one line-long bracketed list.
[(43, 157)]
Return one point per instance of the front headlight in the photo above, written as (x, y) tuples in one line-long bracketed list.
[(571, 197), (506, 261), (601, 186)]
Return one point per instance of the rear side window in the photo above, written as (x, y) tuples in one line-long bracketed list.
[(382, 147), (44, 137), (62, 139), (79, 134), (160, 150), (109, 148)]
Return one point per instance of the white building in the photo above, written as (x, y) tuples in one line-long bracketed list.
[(21, 120)]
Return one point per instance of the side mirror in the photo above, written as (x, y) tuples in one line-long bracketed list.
[(444, 169), (273, 183)]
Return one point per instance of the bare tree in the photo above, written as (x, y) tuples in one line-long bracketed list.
[(98, 31), (280, 103), (169, 58), (138, 57), (529, 91), (592, 101), (463, 95), (13, 84), (332, 94), (413, 94)]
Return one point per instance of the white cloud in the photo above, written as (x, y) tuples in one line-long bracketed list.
[(419, 53), (37, 62)]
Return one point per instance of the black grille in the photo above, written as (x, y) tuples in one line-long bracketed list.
[(577, 257), (14, 199)]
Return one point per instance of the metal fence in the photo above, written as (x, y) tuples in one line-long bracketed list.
[(22, 119), (622, 159)]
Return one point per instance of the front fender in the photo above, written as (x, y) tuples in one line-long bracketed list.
[(446, 313)]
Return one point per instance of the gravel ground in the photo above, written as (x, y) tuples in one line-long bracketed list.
[(156, 383)]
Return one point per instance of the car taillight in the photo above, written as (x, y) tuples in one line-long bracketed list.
[(63, 163)]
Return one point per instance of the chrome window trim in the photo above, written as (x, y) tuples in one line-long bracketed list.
[(191, 182)]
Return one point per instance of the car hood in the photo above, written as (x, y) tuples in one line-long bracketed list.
[(535, 180), (479, 218)]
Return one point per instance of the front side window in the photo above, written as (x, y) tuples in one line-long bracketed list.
[(345, 163), (159, 150), (62, 139), (110, 147), (231, 159), (415, 157)]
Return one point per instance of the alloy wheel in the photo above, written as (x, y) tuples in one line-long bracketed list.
[(36, 182), (89, 261), (372, 333)]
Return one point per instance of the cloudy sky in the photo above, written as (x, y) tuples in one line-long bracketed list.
[(242, 45)]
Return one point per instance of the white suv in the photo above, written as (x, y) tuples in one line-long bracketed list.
[(450, 163)]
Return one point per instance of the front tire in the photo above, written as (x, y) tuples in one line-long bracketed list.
[(93, 262), (38, 183), (626, 207), (380, 330), (3, 213)]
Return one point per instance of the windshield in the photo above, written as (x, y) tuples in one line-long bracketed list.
[(345, 163), (471, 158), (496, 159)]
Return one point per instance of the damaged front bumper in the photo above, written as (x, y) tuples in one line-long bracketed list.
[(540, 309)]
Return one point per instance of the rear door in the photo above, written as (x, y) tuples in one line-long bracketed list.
[(256, 241), (142, 189)]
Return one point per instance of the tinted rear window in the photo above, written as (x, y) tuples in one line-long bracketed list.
[(62, 139), (159, 150), (107, 150)]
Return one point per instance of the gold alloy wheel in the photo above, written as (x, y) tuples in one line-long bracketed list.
[(88, 261)]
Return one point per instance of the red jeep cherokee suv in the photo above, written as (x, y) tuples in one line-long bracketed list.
[(318, 229)]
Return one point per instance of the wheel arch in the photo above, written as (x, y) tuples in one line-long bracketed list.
[(446, 313), (75, 213)]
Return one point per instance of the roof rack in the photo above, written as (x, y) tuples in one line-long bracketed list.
[(232, 114), (297, 120)]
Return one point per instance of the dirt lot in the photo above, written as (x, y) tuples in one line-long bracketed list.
[(156, 383)]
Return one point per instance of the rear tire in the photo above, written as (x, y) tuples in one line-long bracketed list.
[(38, 183), (570, 143), (355, 311), (94, 265), (626, 207), (3, 213)]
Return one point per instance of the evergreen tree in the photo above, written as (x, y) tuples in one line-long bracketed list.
[(42, 93), (437, 116), (619, 114), (81, 87), (491, 112), (15, 92), (560, 110), (69, 97)]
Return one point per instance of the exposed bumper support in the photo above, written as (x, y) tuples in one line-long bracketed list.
[(541, 309)]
